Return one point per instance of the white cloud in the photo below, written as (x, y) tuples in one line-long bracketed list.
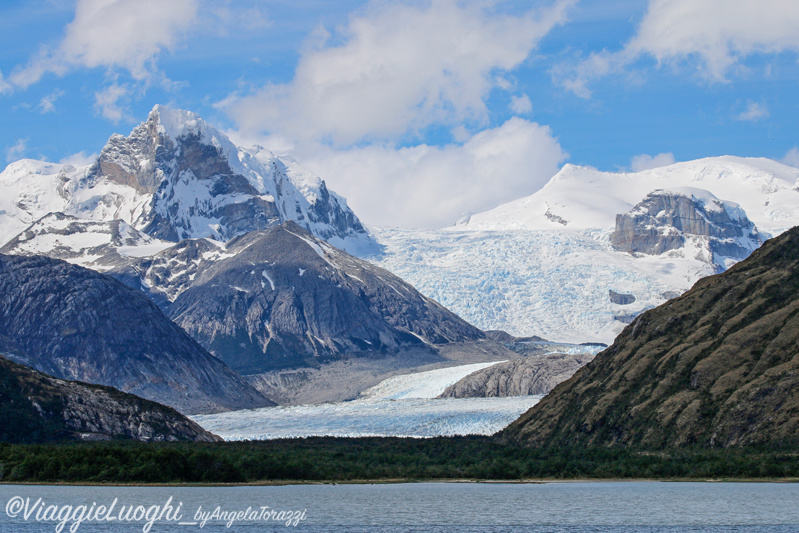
[(15, 152), (106, 102), (124, 34), (521, 105), (47, 103), (79, 159), (5, 87), (718, 32), (792, 157), (427, 186), (398, 68), (754, 111), (713, 36), (645, 161)]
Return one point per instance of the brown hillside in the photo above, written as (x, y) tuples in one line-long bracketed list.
[(718, 366)]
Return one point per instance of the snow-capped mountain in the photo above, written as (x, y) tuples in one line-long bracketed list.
[(177, 177), (583, 197), (583, 256)]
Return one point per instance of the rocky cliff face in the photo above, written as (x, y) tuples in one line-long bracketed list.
[(35, 407), (522, 377), (718, 366), (665, 220), (77, 324), (281, 298)]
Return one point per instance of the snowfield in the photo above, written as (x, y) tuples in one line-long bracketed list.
[(544, 265), (402, 406)]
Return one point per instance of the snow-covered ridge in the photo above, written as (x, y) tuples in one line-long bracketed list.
[(584, 197), (175, 177)]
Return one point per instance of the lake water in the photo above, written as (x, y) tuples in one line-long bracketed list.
[(606, 507)]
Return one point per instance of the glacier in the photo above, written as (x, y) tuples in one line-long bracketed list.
[(544, 264), (400, 406)]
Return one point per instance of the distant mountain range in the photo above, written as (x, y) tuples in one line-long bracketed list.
[(242, 249), (282, 298), (236, 262), (549, 264), (718, 366)]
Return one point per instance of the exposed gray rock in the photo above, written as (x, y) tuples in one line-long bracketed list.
[(521, 377), (282, 298), (620, 298), (35, 407), (77, 324), (346, 379), (664, 219), (625, 318)]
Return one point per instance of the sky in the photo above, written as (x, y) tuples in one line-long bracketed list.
[(418, 112)]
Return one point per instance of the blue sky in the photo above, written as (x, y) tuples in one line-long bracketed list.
[(418, 112)]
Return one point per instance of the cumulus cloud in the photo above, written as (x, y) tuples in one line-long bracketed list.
[(646, 161), (16, 152), (397, 68), (428, 186), (714, 36), (754, 111), (123, 34)]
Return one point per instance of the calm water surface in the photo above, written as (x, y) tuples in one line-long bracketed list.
[(419, 507)]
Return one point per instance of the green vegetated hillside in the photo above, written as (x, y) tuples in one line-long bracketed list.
[(718, 366), (35, 407)]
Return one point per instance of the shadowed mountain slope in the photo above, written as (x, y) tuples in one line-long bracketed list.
[(35, 407), (77, 324)]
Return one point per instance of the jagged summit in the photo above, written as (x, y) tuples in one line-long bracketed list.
[(177, 177)]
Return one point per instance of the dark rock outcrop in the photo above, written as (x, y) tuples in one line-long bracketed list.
[(282, 298), (718, 366), (620, 298), (662, 220), (35, 407), (521, 377), (74, 323)]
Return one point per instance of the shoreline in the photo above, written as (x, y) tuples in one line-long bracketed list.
[(390, 481)]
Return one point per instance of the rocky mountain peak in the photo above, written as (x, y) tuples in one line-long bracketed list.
[(176, 177)]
